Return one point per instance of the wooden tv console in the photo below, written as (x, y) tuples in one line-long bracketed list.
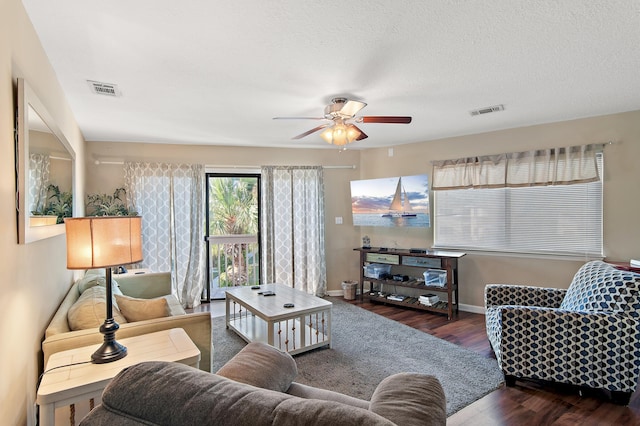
[(411, 266)]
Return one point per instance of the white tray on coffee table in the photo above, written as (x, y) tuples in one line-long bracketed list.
[(256, 317)]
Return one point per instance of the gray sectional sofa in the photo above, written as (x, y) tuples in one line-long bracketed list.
[(256, 387)]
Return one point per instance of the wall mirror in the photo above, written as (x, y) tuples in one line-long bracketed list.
[(44, 170)]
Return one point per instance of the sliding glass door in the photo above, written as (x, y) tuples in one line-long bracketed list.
[(233, 223)]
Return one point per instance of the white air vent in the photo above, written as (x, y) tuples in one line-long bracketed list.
[(487, 110), (107, 89)]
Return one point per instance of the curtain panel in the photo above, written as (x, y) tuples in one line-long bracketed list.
[(170, 199), (543, 167), (38, 182), (292, 227)]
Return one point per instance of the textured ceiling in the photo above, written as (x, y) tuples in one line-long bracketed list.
[(213, 72)]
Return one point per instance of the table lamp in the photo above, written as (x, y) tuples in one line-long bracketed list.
[(104, 242)]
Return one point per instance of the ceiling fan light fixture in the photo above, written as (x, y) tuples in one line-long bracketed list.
[(340, 134), (335, 135)]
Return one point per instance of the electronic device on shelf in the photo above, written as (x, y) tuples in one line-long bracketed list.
[(396, 297)]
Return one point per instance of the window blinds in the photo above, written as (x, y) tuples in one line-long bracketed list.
[(552, 219)]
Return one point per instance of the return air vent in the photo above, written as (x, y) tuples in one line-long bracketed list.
[(487, 110), (107, 89)]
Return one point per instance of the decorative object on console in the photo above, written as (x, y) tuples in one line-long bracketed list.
[(366, 242), (395, 201), (104, 242)]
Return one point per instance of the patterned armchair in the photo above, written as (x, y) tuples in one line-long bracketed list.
[(586, 335)]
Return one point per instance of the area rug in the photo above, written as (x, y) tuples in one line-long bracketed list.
[(367, 347)]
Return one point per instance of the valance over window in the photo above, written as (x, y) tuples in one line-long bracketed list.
[(555, 166)]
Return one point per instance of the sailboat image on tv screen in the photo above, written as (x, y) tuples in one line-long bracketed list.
[(400, 206)]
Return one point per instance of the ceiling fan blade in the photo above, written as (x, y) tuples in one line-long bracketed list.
[(362, 134), (384, 119), (299, 118), (351, 108), (308, 132)]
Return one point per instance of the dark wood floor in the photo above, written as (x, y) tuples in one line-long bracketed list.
[(529, 402)]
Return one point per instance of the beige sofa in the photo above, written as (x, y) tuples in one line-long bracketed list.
[(256, 387), (60, 337)]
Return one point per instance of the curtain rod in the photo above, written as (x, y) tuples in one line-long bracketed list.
[(226, 166)]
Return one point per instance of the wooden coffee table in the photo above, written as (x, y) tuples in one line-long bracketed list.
[(255, 317)]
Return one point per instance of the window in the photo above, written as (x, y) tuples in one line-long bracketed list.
[(557, 219)]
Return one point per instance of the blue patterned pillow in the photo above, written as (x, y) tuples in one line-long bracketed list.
[(600, 287)]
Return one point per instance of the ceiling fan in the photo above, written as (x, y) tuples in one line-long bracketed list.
[(341, 114)]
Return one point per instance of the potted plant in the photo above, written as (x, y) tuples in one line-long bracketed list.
[(59, 205), (108, 205)]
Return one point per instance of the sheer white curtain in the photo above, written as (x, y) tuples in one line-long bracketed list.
[(170, 199), (39, 166), (543, 167), (293, 228)]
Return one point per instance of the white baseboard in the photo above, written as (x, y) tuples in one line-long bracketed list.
[(472, 308), (463, 307)]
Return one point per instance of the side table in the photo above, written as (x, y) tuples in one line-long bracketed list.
[(71, 384)]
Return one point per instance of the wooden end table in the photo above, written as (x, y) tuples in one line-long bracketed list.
[(68, 385), (305, 326)]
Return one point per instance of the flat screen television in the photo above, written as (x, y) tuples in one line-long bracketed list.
[(394, 201)]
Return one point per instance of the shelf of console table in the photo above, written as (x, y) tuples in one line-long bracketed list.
[(405, 259)]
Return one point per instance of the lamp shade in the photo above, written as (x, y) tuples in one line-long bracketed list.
[(102, 242)]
